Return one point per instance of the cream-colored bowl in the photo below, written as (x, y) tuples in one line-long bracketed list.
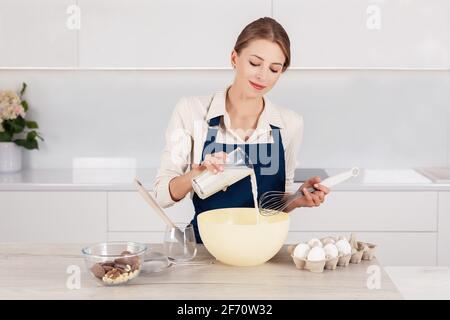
[(233, 237)]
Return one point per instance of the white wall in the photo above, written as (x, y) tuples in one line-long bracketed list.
[(370, 97)]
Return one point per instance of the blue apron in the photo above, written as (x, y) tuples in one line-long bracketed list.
[(268, 162)]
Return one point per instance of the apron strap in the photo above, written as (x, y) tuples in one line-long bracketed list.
[(274, 127), (213, 129)]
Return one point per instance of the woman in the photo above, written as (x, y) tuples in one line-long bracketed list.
[(203, 129)]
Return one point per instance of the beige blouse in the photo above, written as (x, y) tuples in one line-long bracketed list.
[(187, 131)]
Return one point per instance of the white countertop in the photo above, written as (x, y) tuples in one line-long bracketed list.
[(421, 283), (122, 180)]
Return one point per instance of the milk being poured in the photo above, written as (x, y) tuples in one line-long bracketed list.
[(255, 194), (235, 174), (208, 183)]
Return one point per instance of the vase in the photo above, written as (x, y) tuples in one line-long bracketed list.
[(10, 157)]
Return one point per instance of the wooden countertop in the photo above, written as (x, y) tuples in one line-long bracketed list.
[(39, 271)]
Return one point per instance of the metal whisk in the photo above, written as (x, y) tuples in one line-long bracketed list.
[(274, 202)]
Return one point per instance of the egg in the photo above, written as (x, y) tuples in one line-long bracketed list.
[(326, 241), (344, 247), (301, 251), (331, 251), (315, 242), (316, 254)]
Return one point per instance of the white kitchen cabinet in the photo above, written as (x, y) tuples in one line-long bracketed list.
[(128, 211), (393, 248), (52, 216), (356, 210), (396, 221), (380, 34), (444, 229), (403, 224), (35, 34), (161, 33), (370, 211)]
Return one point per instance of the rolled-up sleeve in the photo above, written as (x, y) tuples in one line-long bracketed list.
[(176, 156), (292, 148)]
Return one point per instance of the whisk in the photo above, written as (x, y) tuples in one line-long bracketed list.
[(274, 202)]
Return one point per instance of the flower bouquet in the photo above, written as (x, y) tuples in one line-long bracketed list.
[(15, 130)]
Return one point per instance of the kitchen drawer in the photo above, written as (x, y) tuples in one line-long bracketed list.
[(370, 211), (128, 211), (444, 229), (41, 216), (394, 248)]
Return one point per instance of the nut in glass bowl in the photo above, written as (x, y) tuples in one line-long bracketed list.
[(114, 263)]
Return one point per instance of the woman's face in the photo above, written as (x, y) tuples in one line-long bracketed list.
[(258, 67)]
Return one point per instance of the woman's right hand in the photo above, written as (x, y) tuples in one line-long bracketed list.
[(179, 186), (213, 162)]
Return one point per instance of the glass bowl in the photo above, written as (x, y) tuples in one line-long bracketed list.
[(114, 263)]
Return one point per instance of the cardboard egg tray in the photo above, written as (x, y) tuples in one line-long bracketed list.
[(360, 251), (368, 250)]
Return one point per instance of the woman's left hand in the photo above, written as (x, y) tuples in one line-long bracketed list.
[(312, 199)]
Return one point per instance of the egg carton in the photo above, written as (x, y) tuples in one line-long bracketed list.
[(363, 250), (368, 251), (343, 260), (313, 266), (360, 251)]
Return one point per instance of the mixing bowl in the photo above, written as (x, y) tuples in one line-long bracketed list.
[(113, 263), (233, 237)]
